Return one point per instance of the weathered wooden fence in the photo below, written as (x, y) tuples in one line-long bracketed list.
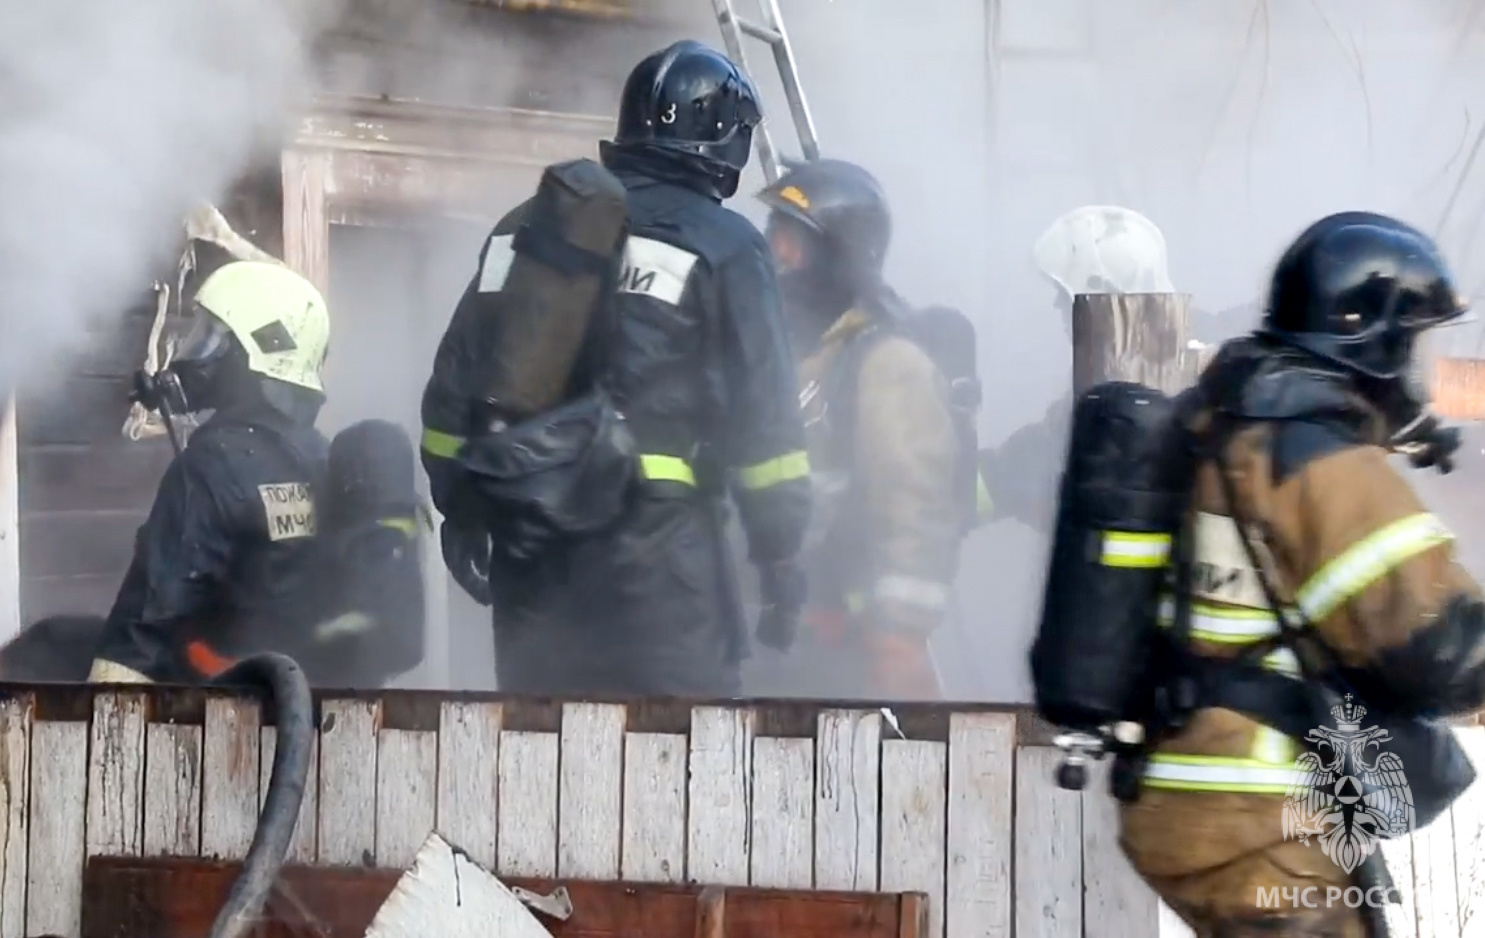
[(953, 801)]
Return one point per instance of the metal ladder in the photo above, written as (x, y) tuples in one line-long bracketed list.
[(771, 32)]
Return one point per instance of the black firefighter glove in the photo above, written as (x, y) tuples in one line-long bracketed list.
[(1428, 444), (784, 590), (466, 552)]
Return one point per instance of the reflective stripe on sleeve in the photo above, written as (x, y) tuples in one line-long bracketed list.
[(913, 591), (1217, 773), (780, 469), (1134, 549), (658, 467), (1367, 561), (440, 444)]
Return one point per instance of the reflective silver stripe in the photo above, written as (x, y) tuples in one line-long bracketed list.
[(1367, 561), (1212, 773), (914, 591), (1223, 624), (1134, 549)]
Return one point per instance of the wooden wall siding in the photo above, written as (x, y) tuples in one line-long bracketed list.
[(428, 159), (791, 795), (84, 488)]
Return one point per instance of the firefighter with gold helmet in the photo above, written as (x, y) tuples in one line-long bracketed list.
[(1251, 607), (890, 396), (223, 563)]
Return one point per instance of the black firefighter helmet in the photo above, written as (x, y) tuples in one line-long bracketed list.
[(844, 210), (1356, 288), (690, 105)]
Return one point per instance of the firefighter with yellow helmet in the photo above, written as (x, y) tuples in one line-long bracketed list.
[(221, 565)]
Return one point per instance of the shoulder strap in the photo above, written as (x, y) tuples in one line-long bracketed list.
[(1316, 659), (841, 384)]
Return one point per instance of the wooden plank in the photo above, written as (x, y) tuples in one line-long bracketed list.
[(10, 522), (847, 792), (1049, 849), (1469, 840), (1132, 337), (229, 777), (527, 812), (783, 813), (447, 894), (914, 814), (406, 794), (177, 898), (711, 913), (512, 136), (590, 809), (306, 226), (1402, 918), (81, 542), (303, 848), (654, 808), (1113, 893), (116, 775), (977, 885), (59, 796), (172, 790), (719, 795), (1434, 879), (347, 826), (468, 776), (15, 756)]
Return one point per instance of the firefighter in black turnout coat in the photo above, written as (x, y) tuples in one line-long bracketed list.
[(696, 358), (221, 563)]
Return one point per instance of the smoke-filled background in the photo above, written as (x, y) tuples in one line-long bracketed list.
[(1230, 123), (114, 119)]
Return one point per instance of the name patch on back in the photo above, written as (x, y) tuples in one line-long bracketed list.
[(290, 510), (499, 255), (656, 269), (1221, 570)]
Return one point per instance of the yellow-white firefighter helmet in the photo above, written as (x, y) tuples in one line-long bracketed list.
[(277, 316), (1104, 249)]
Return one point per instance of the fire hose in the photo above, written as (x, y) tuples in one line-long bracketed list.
[(285, 683)]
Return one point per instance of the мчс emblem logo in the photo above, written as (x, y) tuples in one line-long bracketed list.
[(1349, 794)]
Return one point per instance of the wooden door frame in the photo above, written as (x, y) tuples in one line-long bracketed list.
[(353, 155), (352, 158)]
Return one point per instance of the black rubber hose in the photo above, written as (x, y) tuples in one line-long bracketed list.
[(294, 708)]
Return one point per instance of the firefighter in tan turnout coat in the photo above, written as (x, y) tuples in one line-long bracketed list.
[(1314, 401), (883, 442)]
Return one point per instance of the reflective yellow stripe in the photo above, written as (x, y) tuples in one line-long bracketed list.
[(984, 504), (1269, 766), (1367, 561), (785, 468), (1220, 773), (1134, 549), (443, 445), (408, 526), (1226, 625), (658, 467)]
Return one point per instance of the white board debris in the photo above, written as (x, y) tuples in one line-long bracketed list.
[(446, 893)]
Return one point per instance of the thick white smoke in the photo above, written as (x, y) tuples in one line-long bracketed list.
[(114, 118)]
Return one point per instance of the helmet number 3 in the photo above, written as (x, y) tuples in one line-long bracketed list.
[(669, 116)]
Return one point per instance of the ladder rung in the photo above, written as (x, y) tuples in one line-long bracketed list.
[(769, 36)]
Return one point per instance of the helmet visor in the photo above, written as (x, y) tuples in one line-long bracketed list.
[(794, 246), (207, 338)]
